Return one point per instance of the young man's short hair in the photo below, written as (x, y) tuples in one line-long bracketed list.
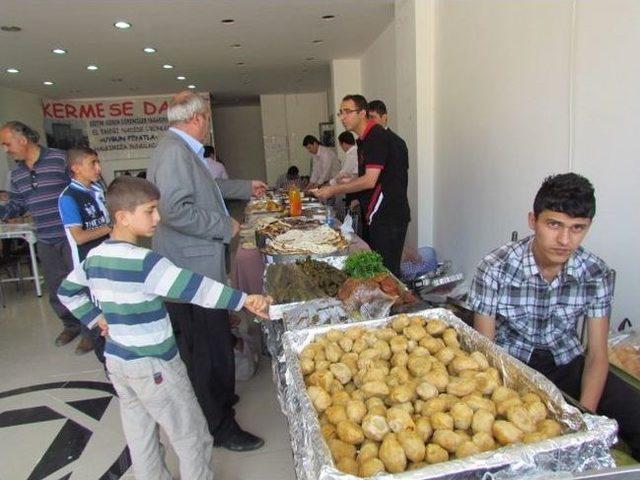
[(293, 171), (309, 140), (76, 155), (358, 100), (567, 193), (127, 193), (346, 137), (377, 106)]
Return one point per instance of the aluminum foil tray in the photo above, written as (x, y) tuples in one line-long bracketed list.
[(584, 447)]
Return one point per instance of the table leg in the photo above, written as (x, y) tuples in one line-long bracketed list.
[(34, 268)]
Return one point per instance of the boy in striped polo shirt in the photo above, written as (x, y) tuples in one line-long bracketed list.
[(128, 283)]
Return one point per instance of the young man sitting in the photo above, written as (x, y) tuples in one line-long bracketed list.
[(529, 295)]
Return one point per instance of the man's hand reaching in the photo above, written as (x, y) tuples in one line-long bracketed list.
[(104, 326), (258, 305)]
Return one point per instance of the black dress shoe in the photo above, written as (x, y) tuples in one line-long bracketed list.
[(66, 336), (239, 440)]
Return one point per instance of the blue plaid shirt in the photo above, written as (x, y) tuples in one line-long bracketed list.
[(532, 313)]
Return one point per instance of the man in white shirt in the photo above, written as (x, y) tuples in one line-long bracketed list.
[(215, 167), (325, 162), (349, 168)]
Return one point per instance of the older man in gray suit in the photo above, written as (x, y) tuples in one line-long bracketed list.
[(194, 233)]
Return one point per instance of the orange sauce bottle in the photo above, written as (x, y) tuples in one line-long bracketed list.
[(295, 202)]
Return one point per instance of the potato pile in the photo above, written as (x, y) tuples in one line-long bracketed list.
[(401, 397)]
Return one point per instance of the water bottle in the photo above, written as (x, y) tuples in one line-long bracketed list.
[(331, 216)]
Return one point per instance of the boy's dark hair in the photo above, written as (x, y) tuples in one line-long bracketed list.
[(309, 140), (75, 155), (567, 193), (127, 193), (377, 106), (292, 171), (359, 101), (209, 151), (346, 137)]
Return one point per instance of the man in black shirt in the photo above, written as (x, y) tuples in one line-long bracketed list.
[(382, 182)]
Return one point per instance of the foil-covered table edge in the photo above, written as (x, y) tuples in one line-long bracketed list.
[(587, 447)]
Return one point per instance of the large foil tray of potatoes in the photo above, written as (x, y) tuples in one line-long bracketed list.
[(424, 396)]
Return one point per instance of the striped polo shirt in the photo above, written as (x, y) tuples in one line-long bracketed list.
[(128, 284), (37, 190)]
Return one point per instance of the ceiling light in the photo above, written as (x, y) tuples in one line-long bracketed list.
[(328, 17), (10, 28), (191, 87), (12, 70), (47, 83), (122, 25), (59, 51), (318, 42), (228, 21), (236, 45), (166, 66), (181, 77), (149, 50), (92, 67)]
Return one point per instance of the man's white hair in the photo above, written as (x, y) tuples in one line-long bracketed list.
[(184, 106)]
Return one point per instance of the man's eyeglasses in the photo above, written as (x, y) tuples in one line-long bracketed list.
[(34, 182), (346, 111)]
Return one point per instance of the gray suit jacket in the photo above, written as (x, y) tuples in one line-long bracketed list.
[(194, 225)]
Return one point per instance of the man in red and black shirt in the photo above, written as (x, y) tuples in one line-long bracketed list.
[(382, 182)]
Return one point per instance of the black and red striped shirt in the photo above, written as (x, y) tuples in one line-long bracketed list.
[(384, 150)]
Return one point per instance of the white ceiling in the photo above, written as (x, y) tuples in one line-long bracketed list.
[(276, 37)]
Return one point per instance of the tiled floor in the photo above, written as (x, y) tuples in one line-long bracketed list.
[(59, 419)]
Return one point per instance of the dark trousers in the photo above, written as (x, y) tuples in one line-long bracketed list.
[(205, 344), (619, 400), (386, 236), (56, 263)]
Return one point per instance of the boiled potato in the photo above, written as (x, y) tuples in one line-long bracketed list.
[(506, 432), (398, 376), (333, 352), (412, 445), (328, 431), (550, 428), (501, 393), (355, 410), (437, 377), (359, 345), (423, 428), (461, 386), (340, 398), (426, 390), (336, 414), (334, 335), (375, 427), (371, 467), (533, 437), (480, 359), (477, 402), (368, 449), (484, 441), (348, 465), (433, 405), (400, 322), (309, 351), (373, 375), (321, 378), (354, 332), (505, 405), (450, 337), (435, 327), (398, 344), (485, 383), (375, 389), (447, 439), (434, 345), (441, 421), (399, 419), (466, 449), (401, 394), (537, 411), (461, 363), (415, 332), (462, 415), (519, 416), (307, 365), (416, 466), (385, 334), (445, 355), (449, 400), (482, 421), (341, 372), (530, 397), (340, 449), (319, 397), (350, 432), (435, 454), (418, 365), (383, 348), (392, 454), (399, 359)]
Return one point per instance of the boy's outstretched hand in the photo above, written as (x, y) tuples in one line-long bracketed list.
[(104, 327), (258, 305)]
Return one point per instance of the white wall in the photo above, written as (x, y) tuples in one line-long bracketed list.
[(238, 140), (25, 107), (286, 119), (379, 72), (515, 102)]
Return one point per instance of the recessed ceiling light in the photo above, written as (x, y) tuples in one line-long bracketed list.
[(328, 17), (59, 51), (122, 25), (149, 50), (318, 42), (92, 67), (181, 77), (10, 28), (191, 87), (236, 45), (12, 70), (228, 21), (166, 66), (47, 83)]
